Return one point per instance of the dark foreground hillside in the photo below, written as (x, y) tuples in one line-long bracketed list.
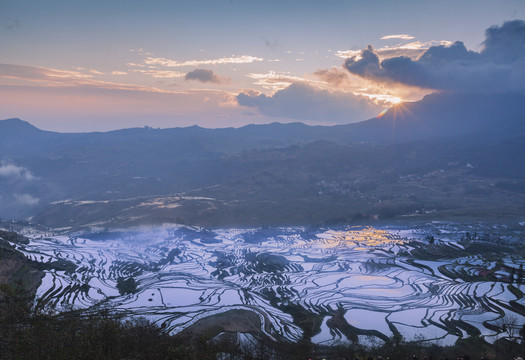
[(26, 334)]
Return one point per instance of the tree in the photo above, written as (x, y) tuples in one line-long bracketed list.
[(430, 239), (126, 286), (512, 274), (509, 324)]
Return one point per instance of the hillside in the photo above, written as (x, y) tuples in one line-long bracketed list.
[(18, 275), (446, 155)]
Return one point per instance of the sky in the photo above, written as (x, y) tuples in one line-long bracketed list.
[(75, 66)]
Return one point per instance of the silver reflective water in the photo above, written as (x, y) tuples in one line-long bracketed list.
[(372, 279)]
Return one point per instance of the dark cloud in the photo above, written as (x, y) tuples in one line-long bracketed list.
[(332, 76), (505, 43), (203, 75), (304, 102), (441, 54), (500, 66), (367, 65)]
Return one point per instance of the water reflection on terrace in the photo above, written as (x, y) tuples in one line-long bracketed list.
[(365, 237)]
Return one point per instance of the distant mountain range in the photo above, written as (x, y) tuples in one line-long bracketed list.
[(446, 155)]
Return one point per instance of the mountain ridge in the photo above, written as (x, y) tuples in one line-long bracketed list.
[(435, 115), (259, 174)]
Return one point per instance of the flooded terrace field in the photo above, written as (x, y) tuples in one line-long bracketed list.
[(437, 282)]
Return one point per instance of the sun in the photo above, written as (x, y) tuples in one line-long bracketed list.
[(396, 100)]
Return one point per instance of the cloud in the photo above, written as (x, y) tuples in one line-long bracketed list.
[(333, 76), (274, 80), (244, 59), (400, 37), (344, 54), (140, 51), (12, 171), (412, 49), (499, 66), (338, 78), (39, 73), (25, 199), (505, 43), (306, 103), (131, 64), (55, 78), (204, 76), (161, 73)]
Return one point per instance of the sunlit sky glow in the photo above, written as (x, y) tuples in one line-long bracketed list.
[(102, 65)]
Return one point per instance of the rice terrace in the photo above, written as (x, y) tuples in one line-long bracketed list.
[(438, 282)]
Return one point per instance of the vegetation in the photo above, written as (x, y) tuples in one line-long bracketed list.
[(126, 286), (16, 272)]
